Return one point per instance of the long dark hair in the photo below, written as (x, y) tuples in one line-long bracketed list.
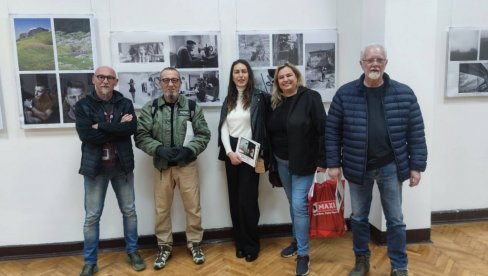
[(232, 89)]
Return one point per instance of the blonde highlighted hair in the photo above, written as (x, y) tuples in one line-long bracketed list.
[(277, 96)]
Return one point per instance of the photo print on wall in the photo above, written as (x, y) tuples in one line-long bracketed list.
[(467, 66), (195, 55), (55, 62), (312, 51)]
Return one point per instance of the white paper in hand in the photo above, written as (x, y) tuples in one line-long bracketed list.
[(189, 133)]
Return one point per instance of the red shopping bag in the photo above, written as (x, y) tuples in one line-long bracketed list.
[(326, 207)]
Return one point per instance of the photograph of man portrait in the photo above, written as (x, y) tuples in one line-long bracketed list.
[(74, 87), (39, 98), (194, 51)]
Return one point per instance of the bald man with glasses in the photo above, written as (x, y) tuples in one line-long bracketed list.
[(105, 122)]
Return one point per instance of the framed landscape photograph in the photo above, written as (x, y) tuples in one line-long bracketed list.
[(55, 61), (467, 65)]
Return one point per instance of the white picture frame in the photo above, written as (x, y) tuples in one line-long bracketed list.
[(313, 52), (467, 62), (145, 72), (47, 46)]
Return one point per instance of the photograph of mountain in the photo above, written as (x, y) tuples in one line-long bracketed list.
[(34, 44), (73, 43)]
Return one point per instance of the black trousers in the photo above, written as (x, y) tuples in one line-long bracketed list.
[(243, 182)]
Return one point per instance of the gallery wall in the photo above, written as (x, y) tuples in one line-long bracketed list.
[(41, 193), (459, 132)]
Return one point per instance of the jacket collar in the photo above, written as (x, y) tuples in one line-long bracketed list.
[(360, 82), (116, 96), (181, 102)]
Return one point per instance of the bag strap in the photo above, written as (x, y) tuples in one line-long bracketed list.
[(192, 104), (154, 108)]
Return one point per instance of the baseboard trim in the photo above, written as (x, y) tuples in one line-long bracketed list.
[(148, 241), (225, 234), (413, 236), (459, 216)]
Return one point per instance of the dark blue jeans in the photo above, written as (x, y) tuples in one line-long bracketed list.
[(95, 191), (391, 201)]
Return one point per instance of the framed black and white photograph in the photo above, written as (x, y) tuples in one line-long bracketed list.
[(55, 61), (139, 58), (467, 66), (320, 66), (312, 51), (140, 87), (288, 48), (139, 51), (194, 51), (201, 86), (255, 48), (263, 79), (144, 52)]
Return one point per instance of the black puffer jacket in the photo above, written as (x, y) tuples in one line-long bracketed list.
[(89, 111)]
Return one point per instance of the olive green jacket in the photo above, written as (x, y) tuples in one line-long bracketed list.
[(155, 132)]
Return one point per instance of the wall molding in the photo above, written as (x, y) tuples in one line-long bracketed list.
[(13, 252), (459, 216)]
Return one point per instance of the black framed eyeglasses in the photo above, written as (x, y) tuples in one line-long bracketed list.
[(103, 77), (167, 80)]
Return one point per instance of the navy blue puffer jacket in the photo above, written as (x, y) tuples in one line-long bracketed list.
[(346, 130)]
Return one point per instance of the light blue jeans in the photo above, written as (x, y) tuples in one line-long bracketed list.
[(391, 200), (296, 188), (95, 191)]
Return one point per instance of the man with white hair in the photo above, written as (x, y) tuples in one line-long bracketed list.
[(375, 132)]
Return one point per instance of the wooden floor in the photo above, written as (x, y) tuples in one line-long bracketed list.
[(456, 249)]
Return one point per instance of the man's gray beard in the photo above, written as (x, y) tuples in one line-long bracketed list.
[(374, 75), (105, 91)]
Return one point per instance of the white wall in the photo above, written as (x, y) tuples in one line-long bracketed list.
[(459, 163), (41, 193)]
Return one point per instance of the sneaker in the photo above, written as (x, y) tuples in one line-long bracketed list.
[(303, 262), (398, 272), (136, 261), (197, 253), (163, 256), (361, 267), (89, 270), (290, 250)]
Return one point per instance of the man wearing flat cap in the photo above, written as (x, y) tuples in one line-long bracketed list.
[(185, 59)]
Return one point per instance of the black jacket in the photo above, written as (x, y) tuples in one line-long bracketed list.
[(259, 103), (89, 111), (306, 132)]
